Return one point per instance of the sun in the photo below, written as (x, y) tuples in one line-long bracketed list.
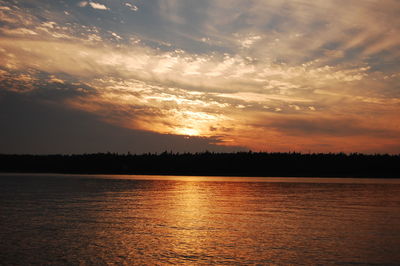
[(188, 132)]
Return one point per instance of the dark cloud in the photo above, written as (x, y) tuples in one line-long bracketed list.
[(28, 125), (42, 85), (328, 127)]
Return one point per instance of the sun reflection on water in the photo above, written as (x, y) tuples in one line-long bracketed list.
[(185, 220), (188, 220)]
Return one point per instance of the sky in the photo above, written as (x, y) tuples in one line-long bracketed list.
[(195, 75)]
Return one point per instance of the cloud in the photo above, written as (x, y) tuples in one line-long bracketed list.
[(98, 6), (132, 6), (179, 93), (94, 5), (18, 31), (294, 31), (328, 126), (272, 72), (215, 73), (57, 129), (249, 41), (83, 3)]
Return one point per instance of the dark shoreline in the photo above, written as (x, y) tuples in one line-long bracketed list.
[(250, 164)]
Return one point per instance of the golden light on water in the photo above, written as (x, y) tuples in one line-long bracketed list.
[(159, 220)]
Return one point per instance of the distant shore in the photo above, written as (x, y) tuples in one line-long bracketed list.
[(210, 164), (249, 164)]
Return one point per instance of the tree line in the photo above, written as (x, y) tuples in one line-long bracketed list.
[(290, 164)]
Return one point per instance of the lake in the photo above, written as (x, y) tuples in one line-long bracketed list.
[(105, 219)]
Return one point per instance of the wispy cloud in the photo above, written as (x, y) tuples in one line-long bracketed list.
[(98, 6), (94, 5), (83, 3), (132, 6)]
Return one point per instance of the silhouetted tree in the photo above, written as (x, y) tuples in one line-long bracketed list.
[(211, 163)]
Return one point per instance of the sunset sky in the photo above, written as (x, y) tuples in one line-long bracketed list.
[(196, 75)]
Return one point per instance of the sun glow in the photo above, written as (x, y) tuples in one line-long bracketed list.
[(188, 132), (311, 82)]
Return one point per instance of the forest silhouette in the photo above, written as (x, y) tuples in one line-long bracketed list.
[(210, 164)]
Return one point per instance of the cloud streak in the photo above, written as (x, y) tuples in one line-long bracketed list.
[(94, 5)]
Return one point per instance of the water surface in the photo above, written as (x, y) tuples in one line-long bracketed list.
[(66, 219)]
